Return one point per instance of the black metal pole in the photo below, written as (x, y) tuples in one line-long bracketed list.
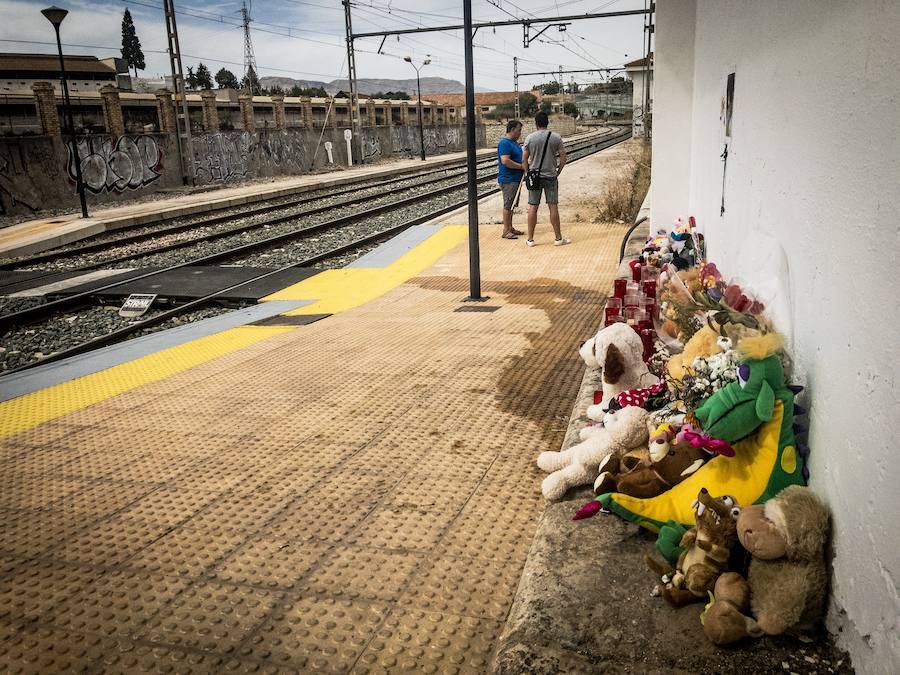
[(73, 144), (472, 174), (421, 122)]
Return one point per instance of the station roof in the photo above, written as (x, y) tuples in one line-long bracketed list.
[(42, 63), (640, 63)]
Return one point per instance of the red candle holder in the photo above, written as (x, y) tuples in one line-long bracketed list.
[(636, 271), (610, 320), (647, 337), (649, 288), (619, 286)]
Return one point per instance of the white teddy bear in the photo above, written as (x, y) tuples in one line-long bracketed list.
[(622, 431), (618, 350)]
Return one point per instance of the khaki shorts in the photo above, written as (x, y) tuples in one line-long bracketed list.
[(509, 191), (550, 188)]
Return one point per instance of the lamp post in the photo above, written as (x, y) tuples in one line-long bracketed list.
[(409, 60), (55, 15)]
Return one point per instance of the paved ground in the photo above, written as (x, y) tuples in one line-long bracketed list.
[(357, 494)]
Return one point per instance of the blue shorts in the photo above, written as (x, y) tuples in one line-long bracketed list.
[(550, 188)]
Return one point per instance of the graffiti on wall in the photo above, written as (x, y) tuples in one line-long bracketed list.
[(225, 156), (108, 165), (437, 139), (371, 146)]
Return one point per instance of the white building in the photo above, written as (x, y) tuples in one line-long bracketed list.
[(640, 73), (805, 212)]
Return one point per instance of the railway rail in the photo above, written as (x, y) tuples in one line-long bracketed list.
[(409, 210)]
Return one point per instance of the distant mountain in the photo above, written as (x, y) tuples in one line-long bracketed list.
[(430, 85)]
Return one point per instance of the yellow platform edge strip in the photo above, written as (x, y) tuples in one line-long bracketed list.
[(343, 289), (25, 412)]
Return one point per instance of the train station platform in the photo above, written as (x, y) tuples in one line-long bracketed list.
[(346, 486)]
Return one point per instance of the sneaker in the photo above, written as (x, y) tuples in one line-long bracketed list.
[(518, 232), (530, 243), (562, 242)]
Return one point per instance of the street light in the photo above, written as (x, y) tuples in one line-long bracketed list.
[(409, 60), (55, 15)]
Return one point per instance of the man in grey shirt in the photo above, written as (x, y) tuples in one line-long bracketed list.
[(550, 168)]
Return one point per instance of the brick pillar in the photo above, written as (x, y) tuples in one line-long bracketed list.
[(306, 112), (164, 111), (431, 115), (370, 111), (404, 112), (210, 113), (247, 118), (389, 115), (112, 110), (333, 121), (478, 116), (278, 111), (45, 102)]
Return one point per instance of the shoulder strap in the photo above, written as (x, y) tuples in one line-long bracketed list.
[(544, 153)]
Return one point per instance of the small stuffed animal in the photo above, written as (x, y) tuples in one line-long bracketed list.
[(707, 547), (618, 350), (622, 431), (787, 579), (668, 465), (705, 342)]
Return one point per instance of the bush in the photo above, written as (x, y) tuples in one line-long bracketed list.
[(624, 192)]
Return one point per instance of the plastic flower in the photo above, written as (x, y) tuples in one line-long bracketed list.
[(710, 275)]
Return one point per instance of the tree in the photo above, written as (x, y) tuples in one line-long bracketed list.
[(570, 109), (549, 88), (392, 95), (250, 81), (191, 79), (276, 89), (546, 107), (226, 79), (203, 78), (297, 90), (131, 45), (528, 104)]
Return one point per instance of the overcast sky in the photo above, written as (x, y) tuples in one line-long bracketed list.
[(304, 39)]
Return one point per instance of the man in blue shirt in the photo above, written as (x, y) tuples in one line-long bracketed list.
[(509, 175)]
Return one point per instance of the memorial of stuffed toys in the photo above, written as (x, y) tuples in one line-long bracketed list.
[(694, 436)]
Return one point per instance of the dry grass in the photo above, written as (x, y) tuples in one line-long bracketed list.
[(624, 193)]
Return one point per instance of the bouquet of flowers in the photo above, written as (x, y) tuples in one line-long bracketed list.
[(708, 375)]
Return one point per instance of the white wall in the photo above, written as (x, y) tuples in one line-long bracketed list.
[(812, 202)]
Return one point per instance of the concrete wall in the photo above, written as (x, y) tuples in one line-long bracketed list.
[(36, 172), (811, 198), (564, 125)]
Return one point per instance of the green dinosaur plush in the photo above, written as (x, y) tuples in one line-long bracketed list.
[(738, 409), (668, 542)]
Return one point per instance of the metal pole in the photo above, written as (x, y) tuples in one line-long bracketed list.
[(185, 147), (471, 173), (421, 121), (355, 122), (73, 144), (516, 83)]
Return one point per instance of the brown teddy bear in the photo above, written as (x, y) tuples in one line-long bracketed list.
[(664, 466), (786, 582), (707, 548)]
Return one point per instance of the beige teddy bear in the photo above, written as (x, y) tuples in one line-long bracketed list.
[(787, 578)]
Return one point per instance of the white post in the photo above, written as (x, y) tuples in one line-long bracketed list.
[(348, 135)]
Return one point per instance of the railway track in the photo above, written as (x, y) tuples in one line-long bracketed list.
[(353, 232)]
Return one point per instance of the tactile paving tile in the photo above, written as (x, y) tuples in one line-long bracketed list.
[(187, 550), (31, 591), (317, 634), (466, 586), (364, 573), (322, 515), (271, 562), (32, 532), (33, 462), (42, 649), (103, 497), (117, 602), (170, 506), (430, 642), (210, 615), (111, 541), (48, 433), (245, 509), (36, 491), (408, 529)]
